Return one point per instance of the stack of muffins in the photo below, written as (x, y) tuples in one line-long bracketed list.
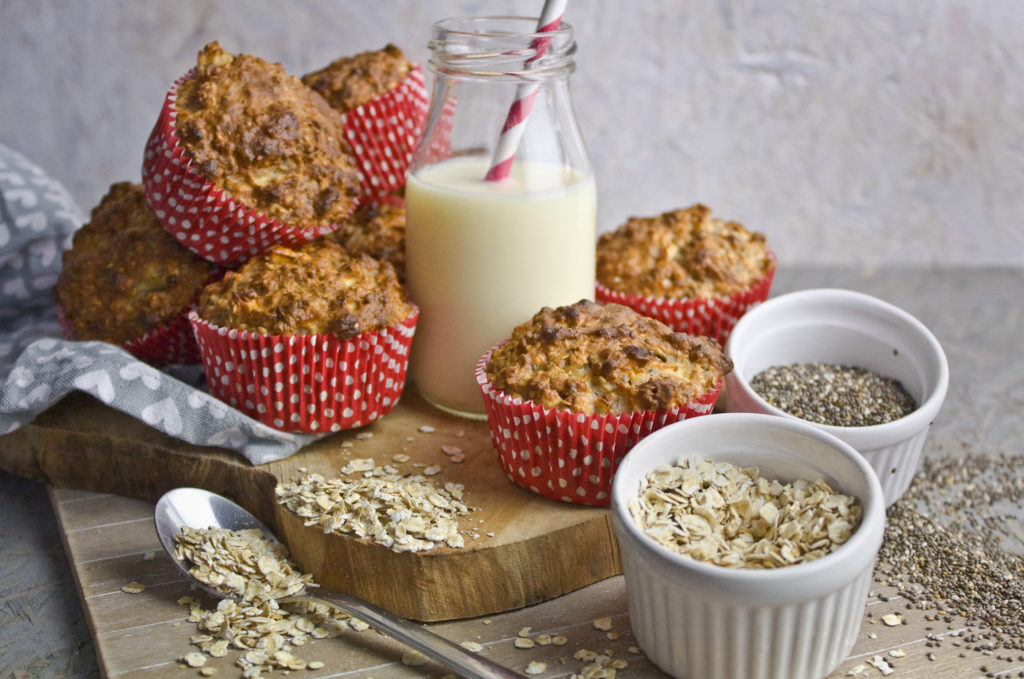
[(264, 239)]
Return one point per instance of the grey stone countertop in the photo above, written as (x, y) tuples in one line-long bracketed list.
[(976, 314)]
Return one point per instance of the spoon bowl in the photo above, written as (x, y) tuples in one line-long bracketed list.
[(201, 509)]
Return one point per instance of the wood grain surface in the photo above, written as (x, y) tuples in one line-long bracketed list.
[(520, 548)]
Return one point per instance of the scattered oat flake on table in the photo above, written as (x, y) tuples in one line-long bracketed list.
[(399, 457), (450, 450), (898, 653), (523, 642), (603, 624), (363, 435), (133, 587), (426, 429), (149, 556), (358, 465), (207, 671), (194, 659), (536, 667), (892, 619), (413, 658), (432, 470), (879, 663), (473, 646)]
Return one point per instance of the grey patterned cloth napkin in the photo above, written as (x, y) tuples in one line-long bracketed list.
[(38, 367)]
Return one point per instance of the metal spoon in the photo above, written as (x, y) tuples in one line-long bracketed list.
[(199, 508)]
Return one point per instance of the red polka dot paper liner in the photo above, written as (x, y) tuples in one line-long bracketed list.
[(67, 328), (306, 383), (714, 317), (437, 141), (169, 343), (384, 131), (173, 342), (201, 216), (567, 456)]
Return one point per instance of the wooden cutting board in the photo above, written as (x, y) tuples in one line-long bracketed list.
[(520, 548)]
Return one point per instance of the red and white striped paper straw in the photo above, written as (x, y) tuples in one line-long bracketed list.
[(526, 93)]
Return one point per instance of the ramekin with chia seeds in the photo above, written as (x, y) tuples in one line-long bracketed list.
[(850, 364)]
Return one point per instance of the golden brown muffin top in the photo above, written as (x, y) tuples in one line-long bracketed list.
[(266, 139), (685, 253), (600, 358), (376, 229), (124, 274), (352, 81), (315, 289)]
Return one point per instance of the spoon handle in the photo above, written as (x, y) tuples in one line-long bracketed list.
[(442, 650)]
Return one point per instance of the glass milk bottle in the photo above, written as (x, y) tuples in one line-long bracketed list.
[(489, 243)]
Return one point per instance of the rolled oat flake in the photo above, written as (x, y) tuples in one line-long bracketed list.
[(838, 395)]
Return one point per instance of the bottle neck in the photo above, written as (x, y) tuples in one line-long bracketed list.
[(501, 48)]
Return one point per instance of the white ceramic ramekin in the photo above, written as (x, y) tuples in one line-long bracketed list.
[(848, 328), (694, 619)]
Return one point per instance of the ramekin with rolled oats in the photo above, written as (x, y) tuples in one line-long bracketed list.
[(747, 544)]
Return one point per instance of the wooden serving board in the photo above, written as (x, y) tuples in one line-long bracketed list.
[(520, 548)]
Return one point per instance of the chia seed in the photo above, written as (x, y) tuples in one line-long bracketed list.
[(837, 395), (952, 546)]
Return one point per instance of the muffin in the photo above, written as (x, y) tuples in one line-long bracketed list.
[(574, 388), (383, 105), (244, 156), (309, 339), (377, 228), (128, 282), (686, 268), (352, 81)]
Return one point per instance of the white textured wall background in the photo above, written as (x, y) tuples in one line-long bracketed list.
[(860, 132)]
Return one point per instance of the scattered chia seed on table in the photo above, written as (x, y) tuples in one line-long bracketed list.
[(953, 547), (838, 395)]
